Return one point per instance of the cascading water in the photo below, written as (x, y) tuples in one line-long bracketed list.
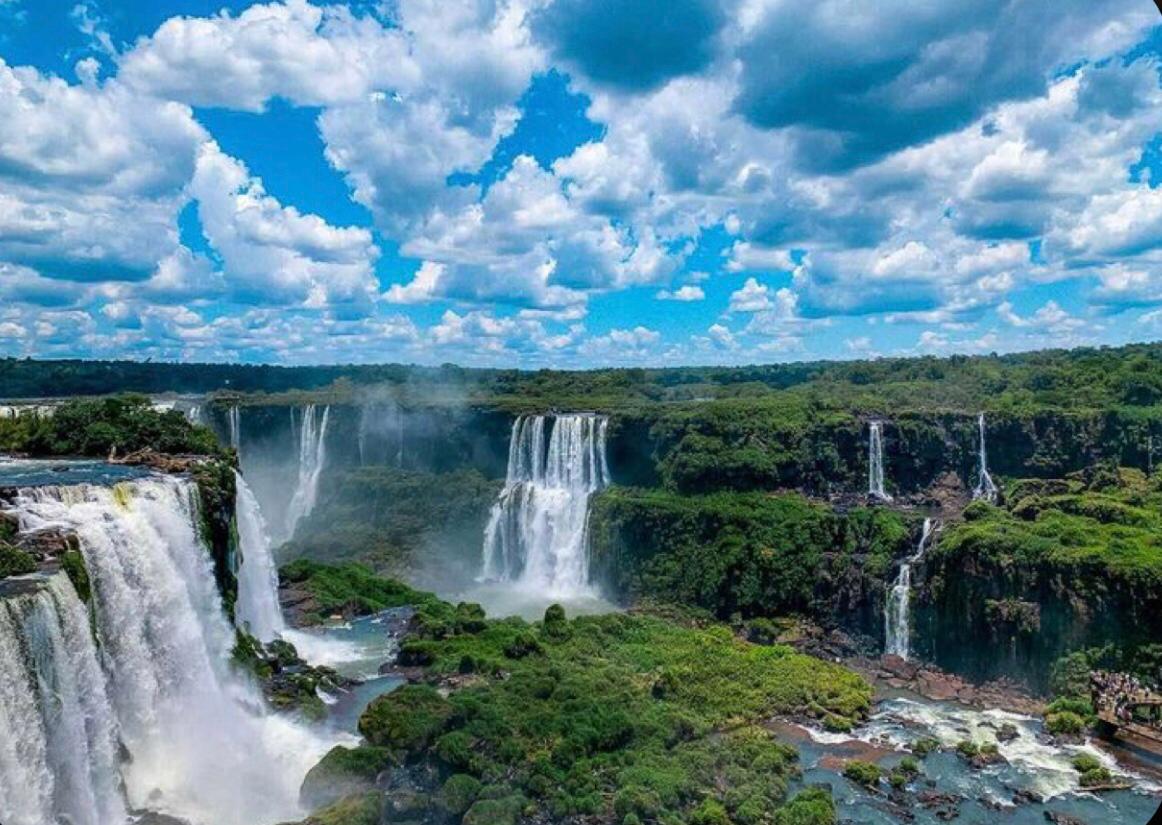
[(537, 532), (58, 751), (235, 419), (312, 455), (897, 611), (200, 742), (381, 435), (985, 488), (875, 472), (257, 609)]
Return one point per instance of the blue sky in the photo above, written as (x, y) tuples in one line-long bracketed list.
[(576, 183)]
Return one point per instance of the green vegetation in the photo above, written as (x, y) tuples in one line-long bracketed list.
[(364, 809), (118, 424), (14, 561), (924, 746), (1129, 376), (344, 772), (1066, 566), (1093, 773), (625, 717), (351, 590), (395, 520), (750, 553), (73, 563), (863, 773)]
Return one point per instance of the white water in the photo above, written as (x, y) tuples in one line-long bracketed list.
[(381, 435), (537, 533), (257, 609), (875, 471), (235, 419), (1044, 768), (58, 751), (898, 609), (985, 488), (312, 456), (203, 746)]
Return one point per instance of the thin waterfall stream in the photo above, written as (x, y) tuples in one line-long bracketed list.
[(986, 489), (875, 471), (312, 444), (898, 610)]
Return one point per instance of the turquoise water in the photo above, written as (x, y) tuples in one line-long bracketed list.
[(356, 650), (20, 472)]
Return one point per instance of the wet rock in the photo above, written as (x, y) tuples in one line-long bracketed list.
[(1008, 732), (1058, 818), (944, 806)]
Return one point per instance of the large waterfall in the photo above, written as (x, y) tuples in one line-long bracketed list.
[(58, 751), (875, 471), (312, 455), (897, 611), (536, 534), (199, 742), (257, 609), (985, 488)]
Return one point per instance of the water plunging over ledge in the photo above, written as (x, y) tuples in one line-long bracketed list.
[(537, 534), (312, 441), (257, 609), (202, 744), (897, 610), (875, 471), (985, 488)]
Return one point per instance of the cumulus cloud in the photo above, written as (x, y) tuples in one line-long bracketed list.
[(273, 253), (889, 75), (91, 178), (631, 46), (685, 293)]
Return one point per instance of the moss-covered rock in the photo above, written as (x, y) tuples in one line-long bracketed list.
[(364, 809), (344, 772), (406, 720), (15, 562)]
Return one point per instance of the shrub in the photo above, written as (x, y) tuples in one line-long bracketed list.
[(863, 773), (924, 746), (407, 719), (1065, 722), (555, 625), (458, 793), (1084, 762), (15, 562), (813, 806)]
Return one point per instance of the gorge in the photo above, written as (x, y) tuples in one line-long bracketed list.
[(782, 524)]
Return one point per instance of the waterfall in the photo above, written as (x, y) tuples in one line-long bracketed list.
[(985, 488), (537, 532), (200, 742), (257, 609), (58, 751), (381, 435), (897, 611), (312, 455), (875, 472), (235, 420)]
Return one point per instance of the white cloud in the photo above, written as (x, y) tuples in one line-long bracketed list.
[(684, 293), (310, 55), (273, 253), (750, 297)]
